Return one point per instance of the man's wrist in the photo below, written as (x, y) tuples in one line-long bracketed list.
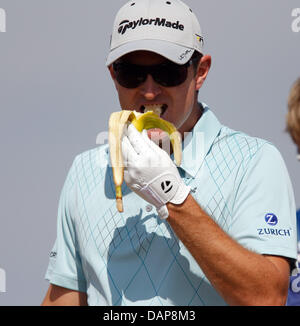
[(172, 207), (164, 211)]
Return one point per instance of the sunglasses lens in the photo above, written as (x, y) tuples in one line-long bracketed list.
[(170, 75), (129, 76), (166, 74)]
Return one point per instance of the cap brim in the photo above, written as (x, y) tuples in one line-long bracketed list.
[(171, 51)]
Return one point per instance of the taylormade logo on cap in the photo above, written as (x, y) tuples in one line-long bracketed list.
[(126, 24)]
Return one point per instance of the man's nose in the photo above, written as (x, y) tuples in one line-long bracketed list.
[(150, 89)]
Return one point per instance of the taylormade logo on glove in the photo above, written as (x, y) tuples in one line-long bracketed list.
[(150, 172)]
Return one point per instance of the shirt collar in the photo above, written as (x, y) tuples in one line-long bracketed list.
[(197, 143)]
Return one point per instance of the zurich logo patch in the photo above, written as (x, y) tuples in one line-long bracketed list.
[(271, 219)]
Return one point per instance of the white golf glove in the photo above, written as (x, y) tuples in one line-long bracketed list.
[(150, 172)]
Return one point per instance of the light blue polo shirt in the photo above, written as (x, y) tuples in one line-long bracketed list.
[(134, 258)]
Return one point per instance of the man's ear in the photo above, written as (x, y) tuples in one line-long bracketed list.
[(202, 70), (113, 76), (112, 73)]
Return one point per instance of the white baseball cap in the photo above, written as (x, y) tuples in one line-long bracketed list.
[(169, 28)]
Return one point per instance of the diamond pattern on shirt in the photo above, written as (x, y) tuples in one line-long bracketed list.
[(140, 255)]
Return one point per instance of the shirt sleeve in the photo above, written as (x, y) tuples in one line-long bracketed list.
[(65, 268), (264, 213)]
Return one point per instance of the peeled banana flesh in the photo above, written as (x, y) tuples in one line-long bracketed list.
[(148, 120)]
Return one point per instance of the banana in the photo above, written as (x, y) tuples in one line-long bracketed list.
[(148, 120)]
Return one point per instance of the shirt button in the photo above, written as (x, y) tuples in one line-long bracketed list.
[(149, 208)]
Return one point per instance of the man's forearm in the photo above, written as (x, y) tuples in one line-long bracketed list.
[(240, 276)]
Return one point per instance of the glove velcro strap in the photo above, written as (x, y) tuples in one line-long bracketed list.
[(156, 200), (181, 195)]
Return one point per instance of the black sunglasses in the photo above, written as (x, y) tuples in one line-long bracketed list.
[(167, 74)]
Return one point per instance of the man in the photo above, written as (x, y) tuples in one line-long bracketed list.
[(226, 235), (293, 127)]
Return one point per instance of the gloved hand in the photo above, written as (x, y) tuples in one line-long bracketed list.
[(150, 172)]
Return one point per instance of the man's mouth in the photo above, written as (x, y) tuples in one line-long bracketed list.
[(157, 135), (158, 109)]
